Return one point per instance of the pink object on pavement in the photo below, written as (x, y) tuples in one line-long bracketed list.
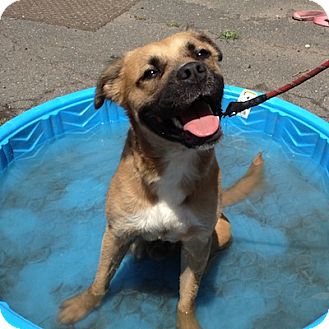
[(307, 15), (318, 17), (321, 20)]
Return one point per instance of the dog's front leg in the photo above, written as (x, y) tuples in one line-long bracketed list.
[(194, 259), (112, 252)]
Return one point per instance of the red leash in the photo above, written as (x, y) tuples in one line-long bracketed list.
[(236, 107)]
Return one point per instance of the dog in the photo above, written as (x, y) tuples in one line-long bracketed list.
[(167, 188)]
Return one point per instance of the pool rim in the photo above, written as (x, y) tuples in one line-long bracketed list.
[(55, 105)]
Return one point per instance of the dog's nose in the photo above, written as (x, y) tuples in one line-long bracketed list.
[(192, 72)]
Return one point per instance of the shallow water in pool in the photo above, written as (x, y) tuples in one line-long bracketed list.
[(274, 275)]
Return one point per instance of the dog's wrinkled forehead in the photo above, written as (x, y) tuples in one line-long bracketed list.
[(172, 51)]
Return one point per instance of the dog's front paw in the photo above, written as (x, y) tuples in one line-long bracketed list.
[(78, 307)]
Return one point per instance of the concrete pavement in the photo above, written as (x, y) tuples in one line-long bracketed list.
[(40, 60)]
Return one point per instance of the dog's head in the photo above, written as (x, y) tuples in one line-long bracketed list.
[(171, 87)]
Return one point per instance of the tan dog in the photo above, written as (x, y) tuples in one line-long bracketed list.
[(167, 188)]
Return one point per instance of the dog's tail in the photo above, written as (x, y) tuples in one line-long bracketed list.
[(245, 185)]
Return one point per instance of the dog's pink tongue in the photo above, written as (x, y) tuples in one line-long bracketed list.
[(199, 120)]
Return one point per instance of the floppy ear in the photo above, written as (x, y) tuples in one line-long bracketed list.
[(109, 84)]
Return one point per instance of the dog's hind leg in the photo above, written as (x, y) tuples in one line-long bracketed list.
[(222, 234), (245, 185), (112, 252)]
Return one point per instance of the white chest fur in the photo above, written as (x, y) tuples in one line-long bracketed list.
[(170, 220), (163, 222), (181, 167)]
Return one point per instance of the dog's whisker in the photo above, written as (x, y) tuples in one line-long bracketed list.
[(177, 123)]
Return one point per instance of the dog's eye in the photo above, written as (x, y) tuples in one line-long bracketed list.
[(150, 74), (203, 54)]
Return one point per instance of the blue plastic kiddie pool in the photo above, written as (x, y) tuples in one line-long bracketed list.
[(55, 164)]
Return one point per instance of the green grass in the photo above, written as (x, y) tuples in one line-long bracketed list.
[(172, 24), (2, 121), (140, 18), (229, 35)]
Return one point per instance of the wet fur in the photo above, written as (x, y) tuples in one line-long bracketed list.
[(162, 191)]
